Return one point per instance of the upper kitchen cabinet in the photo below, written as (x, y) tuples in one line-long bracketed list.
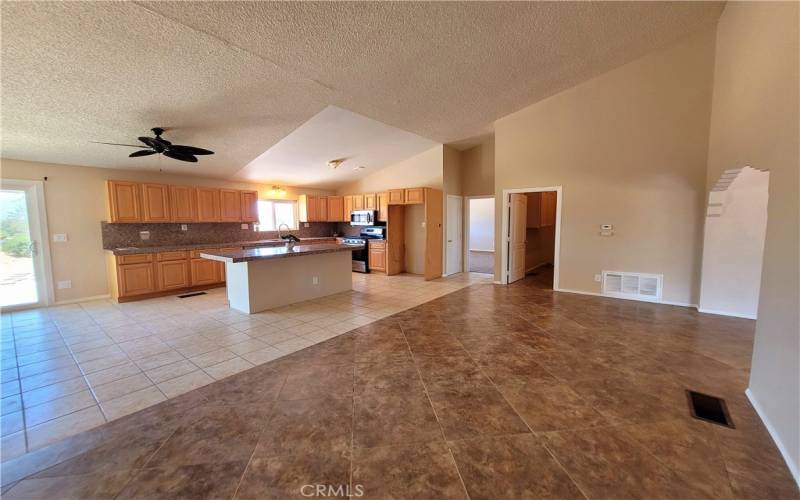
[(183, 203), (230, 205), (155, 203), (414, 196), (358, 202), (249, 206), (397, 196), (382, 200), (208, 205), (370, 202), (322, 209), (348, 207), (312, 208), (124, 204), (336, 209)]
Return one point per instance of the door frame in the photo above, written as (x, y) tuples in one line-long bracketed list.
[(38, 227), (447, 225), (504, 238), (465, 258)]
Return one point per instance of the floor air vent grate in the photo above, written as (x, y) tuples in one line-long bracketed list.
[(193, 294), (709, 408)]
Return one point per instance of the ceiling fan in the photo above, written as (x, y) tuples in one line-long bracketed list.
[(158, 145)]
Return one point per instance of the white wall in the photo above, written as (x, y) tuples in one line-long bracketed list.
[(481, 224), (733, 246)]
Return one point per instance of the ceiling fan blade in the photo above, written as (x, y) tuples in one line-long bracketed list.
[(180, 156), (144, 152), (190, 150), (117, 144), (151, 143)]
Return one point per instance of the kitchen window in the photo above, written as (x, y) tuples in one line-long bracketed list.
[(273, 213)]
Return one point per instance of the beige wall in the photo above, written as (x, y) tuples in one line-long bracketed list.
[(477, 167), (451, 172), (422, 170), (755, 122), (76, 204), (629, 148)]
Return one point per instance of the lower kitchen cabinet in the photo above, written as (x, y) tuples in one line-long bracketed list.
[(377, 256), (136, 279), (173, 275), (204, 272)]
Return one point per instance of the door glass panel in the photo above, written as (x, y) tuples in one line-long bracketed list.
[(18, 280)]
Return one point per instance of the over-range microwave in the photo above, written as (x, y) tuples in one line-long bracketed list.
[(362, 217)]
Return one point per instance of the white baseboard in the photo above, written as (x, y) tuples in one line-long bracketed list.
[(793, 467), (595, 294), (726, 313), (82, 299)]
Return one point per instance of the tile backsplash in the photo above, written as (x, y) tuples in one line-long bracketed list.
[(127, 235)]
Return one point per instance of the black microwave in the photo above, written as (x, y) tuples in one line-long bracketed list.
[(362, 217)]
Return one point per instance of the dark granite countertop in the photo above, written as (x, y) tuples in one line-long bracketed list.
[(200, 246), (264, 253)]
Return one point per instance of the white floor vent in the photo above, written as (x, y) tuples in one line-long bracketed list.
[(638, 286)]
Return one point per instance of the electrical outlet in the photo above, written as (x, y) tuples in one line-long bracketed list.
[(64, 284), (306, 224), (145, 235), (60, 237), (598, 278), (184, 227), (245, 226), (315, 280)]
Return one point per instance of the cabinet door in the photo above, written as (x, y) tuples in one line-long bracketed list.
[(249, 206), (377, 259), (208, 209), (548, 208), (348, 207), (123, 201), (335, 208), (396, 197), (183, 203), (313, 208), (322, 208), (173, 274), (230, 205), (370, 202), (358, 202), (415, 196), (383, 206), (136, 279), (204, 272), (155, 203)]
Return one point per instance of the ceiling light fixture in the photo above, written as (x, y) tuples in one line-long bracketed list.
[(334, 164), (277, 190)]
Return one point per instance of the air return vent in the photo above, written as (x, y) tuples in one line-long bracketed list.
[(638, 286)]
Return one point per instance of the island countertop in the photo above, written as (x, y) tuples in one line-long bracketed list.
[(281, 252)]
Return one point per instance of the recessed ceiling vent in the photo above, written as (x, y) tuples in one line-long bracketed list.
[(639, 286)]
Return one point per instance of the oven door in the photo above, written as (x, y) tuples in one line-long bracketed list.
[(360, 264)]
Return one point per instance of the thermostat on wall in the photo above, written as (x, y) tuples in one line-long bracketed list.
[(606, 230)]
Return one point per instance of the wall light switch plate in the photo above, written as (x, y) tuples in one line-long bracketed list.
[(184, 227), (59, 237), (306, 224), (315, 280), (245, 226), (64, 284), (145, 235), (598, 278)]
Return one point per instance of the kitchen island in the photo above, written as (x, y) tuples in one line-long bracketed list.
[(264, 278)]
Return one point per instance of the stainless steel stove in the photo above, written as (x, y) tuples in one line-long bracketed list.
[(361, 257)]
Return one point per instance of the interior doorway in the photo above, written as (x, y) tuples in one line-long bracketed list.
[(24, 251), (531, 229), (479, 251), (454, 243)]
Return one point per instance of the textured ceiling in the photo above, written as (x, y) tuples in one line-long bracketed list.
[(237, 77)]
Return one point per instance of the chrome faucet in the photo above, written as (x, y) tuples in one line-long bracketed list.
[(288, 237)]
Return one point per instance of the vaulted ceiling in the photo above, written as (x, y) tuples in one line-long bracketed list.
[(237, 77)]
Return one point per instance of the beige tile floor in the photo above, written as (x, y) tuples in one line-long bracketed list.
[(69, 368)]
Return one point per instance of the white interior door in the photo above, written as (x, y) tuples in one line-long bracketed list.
[(517, 224), (24, 257), (455, 231)]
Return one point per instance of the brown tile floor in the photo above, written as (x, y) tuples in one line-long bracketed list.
[(488, 392)]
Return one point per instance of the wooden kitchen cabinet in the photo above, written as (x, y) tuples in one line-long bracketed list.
[(176, 255), (414, 196), (124, 204), (377, 255), (155, 203), (230, 205), (335, 209), (136, 279), (135, 259), (204, 272), (358, 202), (249, 206), (208, 204), (541, 210), (322, 209), (370, 202), (382, 200), (397, 196), (173, 274), (348, 207), (183, 204)]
